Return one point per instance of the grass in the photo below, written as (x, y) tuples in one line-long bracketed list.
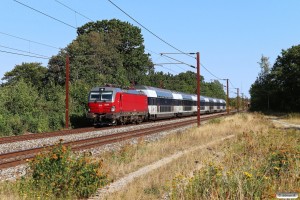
[(160, 182), (292, 118), (256, 165), (257, 158)]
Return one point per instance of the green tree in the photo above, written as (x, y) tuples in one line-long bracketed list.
[(129, 44), (21, 103), (280, 88), (213, 89), (261, 89), (264, 65), (31, 73), (285, 77)]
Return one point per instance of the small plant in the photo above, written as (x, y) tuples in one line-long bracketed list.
[(278, 162), (60, 174), (125, 154), (215, 121), (153, 190)]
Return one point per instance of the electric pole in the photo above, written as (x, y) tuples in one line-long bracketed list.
[(198, 78), (198, 89), (237, 100), (242, 101), (67, 90), (227, 97)]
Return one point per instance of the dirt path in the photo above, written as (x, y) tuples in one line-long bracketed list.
[(121, 183), (285, 124)]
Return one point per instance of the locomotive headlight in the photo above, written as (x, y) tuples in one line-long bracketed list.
[(113, 108)]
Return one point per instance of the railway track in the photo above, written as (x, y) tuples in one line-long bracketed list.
[(19, 138), (12, 159)]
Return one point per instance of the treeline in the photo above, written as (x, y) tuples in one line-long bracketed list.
[(278, 88), (32, 97)]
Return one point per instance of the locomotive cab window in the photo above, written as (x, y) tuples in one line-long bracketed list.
[(106, 96), (101, 96), (94, 96)]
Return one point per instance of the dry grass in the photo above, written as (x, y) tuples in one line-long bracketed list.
[(8, 191), (155, 184), (293, 118), (256, 165)]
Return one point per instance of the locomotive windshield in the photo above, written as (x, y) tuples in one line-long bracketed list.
[(101, 96)]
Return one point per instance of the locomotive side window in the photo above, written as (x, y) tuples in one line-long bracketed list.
[(94, 96)]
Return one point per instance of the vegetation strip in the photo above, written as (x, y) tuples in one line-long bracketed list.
[(258, 164), (130, 177)]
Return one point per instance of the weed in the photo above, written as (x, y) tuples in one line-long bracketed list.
[(215, 121), (57, 173), (153, 190), (125, 154)]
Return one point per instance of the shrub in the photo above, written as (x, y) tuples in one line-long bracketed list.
[(60, 174)]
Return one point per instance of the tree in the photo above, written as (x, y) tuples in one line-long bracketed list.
[(131, 47), (31, 73), (280, 88), (265, 66), (213, 89), (286, 77), (260, 90), (23, 108)]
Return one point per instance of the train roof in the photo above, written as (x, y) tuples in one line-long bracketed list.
[(114, 89), (164, 93), (97, 89), (155, 92)]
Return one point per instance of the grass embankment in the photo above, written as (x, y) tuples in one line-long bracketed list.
[(255, 142), (256, 165), (258, 162)]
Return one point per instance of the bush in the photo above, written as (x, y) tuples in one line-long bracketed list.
[(60, 174)]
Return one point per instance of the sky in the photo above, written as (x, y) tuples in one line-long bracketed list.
[(230, 35)]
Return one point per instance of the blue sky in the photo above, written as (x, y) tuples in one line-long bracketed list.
[(231, 35)]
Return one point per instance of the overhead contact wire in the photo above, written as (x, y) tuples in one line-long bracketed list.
[(45, 14), (30, 41), (23, 51), (20, 54), (74, 10), (148, 29)]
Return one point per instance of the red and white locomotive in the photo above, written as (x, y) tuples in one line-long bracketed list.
[(112, 105)]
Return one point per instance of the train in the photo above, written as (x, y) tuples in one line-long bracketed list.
[(109, 105)]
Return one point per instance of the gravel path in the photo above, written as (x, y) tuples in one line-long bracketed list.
[(286, 124)]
